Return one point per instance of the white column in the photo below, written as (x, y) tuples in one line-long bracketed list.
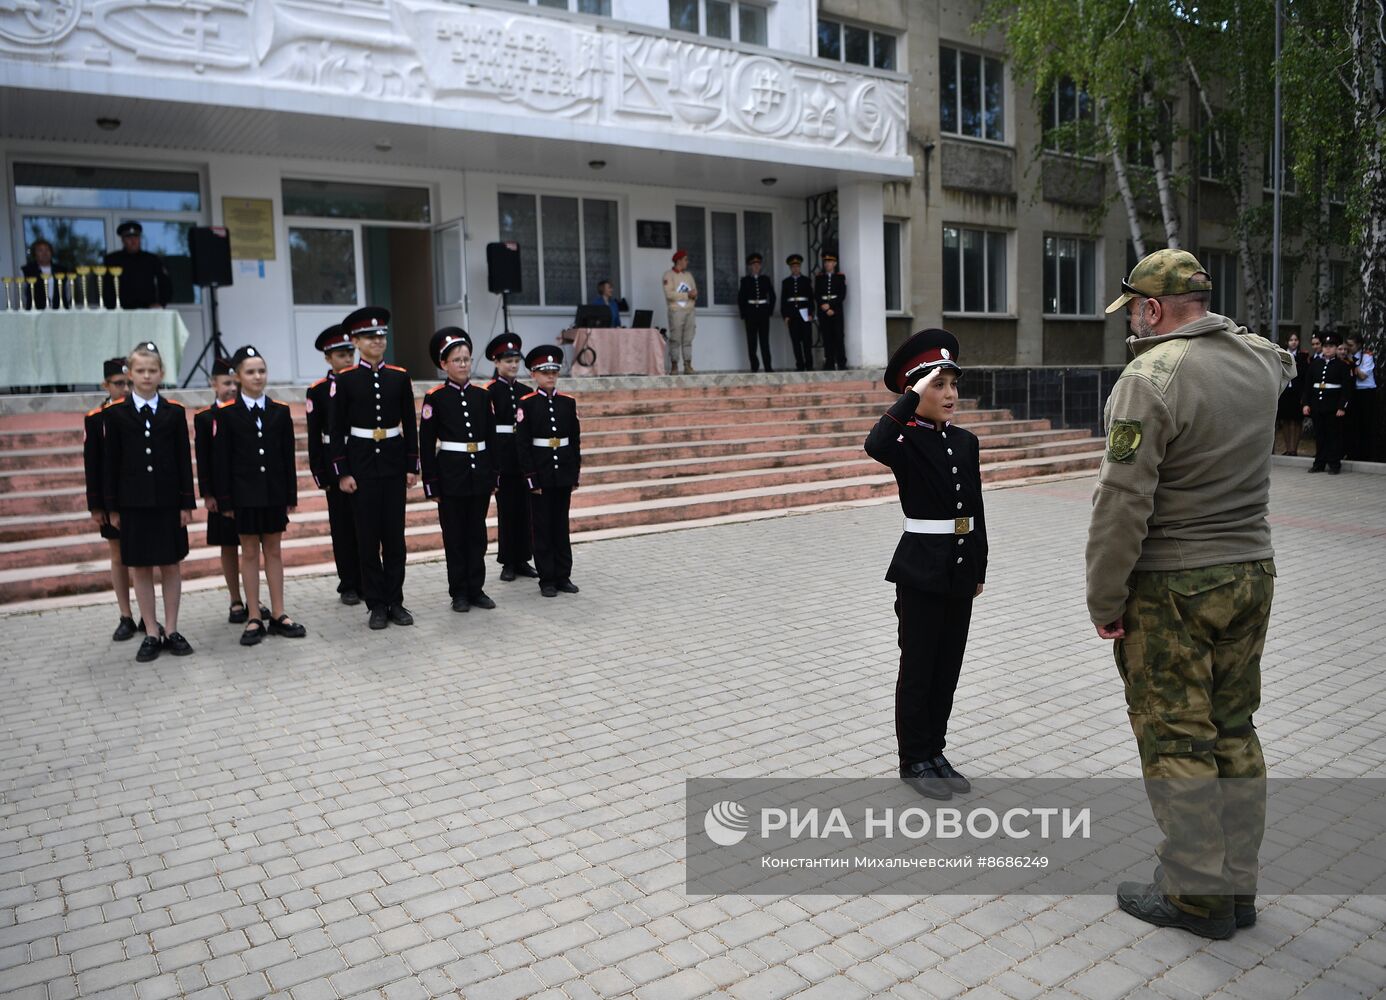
[(861, 253)]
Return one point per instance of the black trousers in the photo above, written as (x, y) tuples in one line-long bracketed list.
[(834, 350), (1328, 437), (378, 505), (342, 524), (933, 637), (1361, 426), (553, 552), (463, 520), (801, 336), (758, 329), (512, 521)]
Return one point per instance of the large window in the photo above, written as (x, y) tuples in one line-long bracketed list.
[(1222, 268), (1214, 151), (894, 231), (974, 270), (731, 235), (1286, 168), (972, 91), (1070, 276), (599, 7), (1288, 266), (734, 20), (852, 43), (1342, 299), (567, 245), (1069, 119)]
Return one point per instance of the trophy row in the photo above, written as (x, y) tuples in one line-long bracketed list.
[(69, 290)]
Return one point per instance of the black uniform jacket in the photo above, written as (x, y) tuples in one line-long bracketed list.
[(146, 463), (829, 289), (254, 464), (202, 450), (317, 406), (460, 414), (939, 475), (796, 294), (93, 437), (756, 297), (370, 398), (42, 294), (544, 418), (505, 400), (143, 283), (1331, 371)]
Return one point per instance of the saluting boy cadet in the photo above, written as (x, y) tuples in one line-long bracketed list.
[(337, 350), (546, 435), (513, 545)]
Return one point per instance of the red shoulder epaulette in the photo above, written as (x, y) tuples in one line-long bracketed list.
[(114, 401), (566, 396), (173, 402), (492, 382), (435, 388), (92, 413), (528, 395), (319, 382), (209, 406), (397, 368), (229, 402)]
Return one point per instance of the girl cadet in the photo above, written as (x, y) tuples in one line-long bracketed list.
[(941, 560), (257, 486), (147, 479), (221, 530), (116, 382)]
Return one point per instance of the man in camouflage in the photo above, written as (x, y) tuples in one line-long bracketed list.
[(1180, 573)]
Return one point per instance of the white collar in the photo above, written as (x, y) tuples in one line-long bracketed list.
[(254, 402), (139, 401)]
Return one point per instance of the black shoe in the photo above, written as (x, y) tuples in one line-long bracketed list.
[(480, 600), (567, 586), (254, 634), (461, 605), (238, 617), (951, 778), (526, 570), (264, 613), (287, 628), (1144, 901), (400, 615), (380, 618), (1243, 913), (548, 590), (177, 645), (1316, 468), (769, 370), (125, 629), (1334, 470), (149, 649), (924, 778), (507, 574), (350, 598)]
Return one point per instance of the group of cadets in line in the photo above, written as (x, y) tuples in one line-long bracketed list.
[(802, 300), (365, 450)]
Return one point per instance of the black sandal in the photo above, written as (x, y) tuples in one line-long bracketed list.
[(253, 634), (238, 617), (288, 629)]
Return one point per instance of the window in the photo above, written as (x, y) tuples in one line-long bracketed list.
[(860, 46), (734, 20), (974, 270), (602, 8), (567, 245), (1070, 276), (1069, 119), (1213, 152), (731, 235), (1222, 268), (1286, 168), (893, 230), (972, 94), (1147, 123), (1342, 302), (343, 200), (1287, 285), (322, 266)]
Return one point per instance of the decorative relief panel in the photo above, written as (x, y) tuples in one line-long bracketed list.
[(462, 57)]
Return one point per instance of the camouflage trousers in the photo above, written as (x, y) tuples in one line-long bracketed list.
[(1191, 665)]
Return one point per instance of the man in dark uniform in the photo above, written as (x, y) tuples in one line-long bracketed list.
[(512, 492), (375, 445), (1327, 396), (144, 281), (756, 300), (830, 293), (546, 436), (796, 306), (335, 344), (940, 563), (116, 382)]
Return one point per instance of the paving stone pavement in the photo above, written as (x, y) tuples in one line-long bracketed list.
[(491, 805)]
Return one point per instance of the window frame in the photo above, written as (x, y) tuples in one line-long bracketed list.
[(896, 38), (1008, 235), (902, 252), (1289, 275), (1287, 174), (571, 8), (735, 21), (707, 297), (1053, 102), (1211, 258), (538, 194), (1094, 258), (958, 52)]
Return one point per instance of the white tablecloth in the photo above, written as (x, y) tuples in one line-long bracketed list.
[(58, 347)]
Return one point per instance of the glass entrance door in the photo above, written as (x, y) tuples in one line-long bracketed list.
[(328, 282)]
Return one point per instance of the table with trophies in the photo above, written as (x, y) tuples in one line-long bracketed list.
[(57, 330)]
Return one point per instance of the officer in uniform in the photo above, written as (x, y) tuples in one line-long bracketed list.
[(512, 492), (144, 281), (756, 300), (681, 294), (116, 382), (457, 447), (335, 344), (546, 436), (375, 445), (796, 302), (940, 563), (1327, 396), (830, 292)]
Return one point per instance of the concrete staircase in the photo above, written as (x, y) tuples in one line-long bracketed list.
[(657, 456)]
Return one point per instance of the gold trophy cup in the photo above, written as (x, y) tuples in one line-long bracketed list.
[(80, 301), (100, 271), (8, 281), (33, 302), (116, 272)]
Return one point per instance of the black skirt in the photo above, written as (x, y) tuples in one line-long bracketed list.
[(221, 530), (1289, 406), (152, 536), (261, 520)]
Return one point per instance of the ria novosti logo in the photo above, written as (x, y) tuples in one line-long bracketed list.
[(726, 823)]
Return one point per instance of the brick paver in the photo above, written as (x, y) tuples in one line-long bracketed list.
[(492, 803)]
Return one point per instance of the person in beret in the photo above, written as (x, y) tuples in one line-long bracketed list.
[(547, 438), (144, 281), (457, 448), (340, 355), (513, 546), (830, 292), (756, 301), (681, 295), (221, 530), (115, 383), (940, 562), (796, 306)]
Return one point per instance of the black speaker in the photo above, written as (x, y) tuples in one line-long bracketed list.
[(210, 249), (503, 267)]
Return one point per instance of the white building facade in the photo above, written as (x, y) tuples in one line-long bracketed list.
[(367, 151)]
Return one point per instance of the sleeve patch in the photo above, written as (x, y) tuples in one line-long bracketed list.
[(308, 405), (427, 411), (332, 391), (1123, 440)]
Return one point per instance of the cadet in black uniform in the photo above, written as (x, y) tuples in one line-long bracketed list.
[(756, 300), (512, 492), (457, 447), (144, 283), (147, 479), (336, 348), (830, 292), (116, 382), (796, 302), (1327, 396), (375, 444), (221, 530), (940, 562), (546, 436)]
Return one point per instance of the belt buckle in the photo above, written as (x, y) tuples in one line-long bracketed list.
[(471, 446), (960, 525), (553, 442), (378, 434)]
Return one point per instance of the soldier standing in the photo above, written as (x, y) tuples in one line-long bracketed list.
[(512, 492), (756, 300), (1180, 573), (144, 281), (335, 344), (546, 436), (1327, 396), (830, 291), (681, 293), (796, 306)]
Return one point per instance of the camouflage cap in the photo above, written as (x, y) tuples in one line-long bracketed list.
[(1164, 272)]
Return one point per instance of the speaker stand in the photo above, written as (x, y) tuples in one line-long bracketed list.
[(505, 311), (213, 342)]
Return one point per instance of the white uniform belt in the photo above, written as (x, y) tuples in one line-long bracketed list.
[(376, 433), (505, 428), (757, 302), (461, 445), (944, 526), (1327, 385), (798, 298), (550, 442), (327, 439)]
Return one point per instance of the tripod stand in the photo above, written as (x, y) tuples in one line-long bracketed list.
[(213, 344)]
